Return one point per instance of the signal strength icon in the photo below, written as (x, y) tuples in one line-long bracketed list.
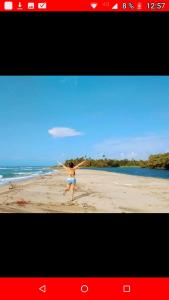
[(115, 6)]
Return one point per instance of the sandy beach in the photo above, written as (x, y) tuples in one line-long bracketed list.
[(98, 192)]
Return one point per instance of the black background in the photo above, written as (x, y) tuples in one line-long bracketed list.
[(84, 244), (84, 43)]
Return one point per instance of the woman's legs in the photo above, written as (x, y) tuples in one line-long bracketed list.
[(67, 188), (73, 187)]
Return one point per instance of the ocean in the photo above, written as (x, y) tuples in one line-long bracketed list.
[(156, 173), (11, 174)]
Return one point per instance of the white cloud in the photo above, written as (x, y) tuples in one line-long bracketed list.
[(60, 132), (134, 147)]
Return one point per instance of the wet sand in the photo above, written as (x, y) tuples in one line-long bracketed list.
[(97, 192)]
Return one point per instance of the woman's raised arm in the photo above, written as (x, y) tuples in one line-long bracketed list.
[(62, 165), (77, 166)]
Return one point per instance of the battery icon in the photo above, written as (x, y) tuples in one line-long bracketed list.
[(139, 5)]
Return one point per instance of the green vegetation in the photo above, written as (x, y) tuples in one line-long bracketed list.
[(154, 161), (159, 161)]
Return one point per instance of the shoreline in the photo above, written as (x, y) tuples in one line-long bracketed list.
[(132, 167), (97, 192), (55, 170), (13, 180)]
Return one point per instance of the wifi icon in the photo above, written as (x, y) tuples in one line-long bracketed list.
[(93, 5)]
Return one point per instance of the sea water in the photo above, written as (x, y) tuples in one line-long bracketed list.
[(11, 174), (146, 172)]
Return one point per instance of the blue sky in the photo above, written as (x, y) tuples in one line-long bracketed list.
[(49, 118)]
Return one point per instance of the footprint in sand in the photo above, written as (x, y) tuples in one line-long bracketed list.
[(70, 203), (85, 205)]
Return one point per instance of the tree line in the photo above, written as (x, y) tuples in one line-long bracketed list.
[(160, 161)]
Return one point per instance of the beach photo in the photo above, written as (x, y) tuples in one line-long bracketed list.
[(84, 144)]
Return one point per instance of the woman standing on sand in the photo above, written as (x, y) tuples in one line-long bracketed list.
[(71, 179)]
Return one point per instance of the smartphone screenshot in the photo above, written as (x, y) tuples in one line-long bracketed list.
[(84, 150)]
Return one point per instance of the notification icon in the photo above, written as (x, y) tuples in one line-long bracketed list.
[(8, 5), (31, 5), (42, 5), (20, 5)]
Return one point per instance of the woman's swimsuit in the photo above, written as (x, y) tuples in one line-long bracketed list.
[(71, 180)]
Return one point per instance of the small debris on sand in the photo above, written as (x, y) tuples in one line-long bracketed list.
[(22, 202)]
